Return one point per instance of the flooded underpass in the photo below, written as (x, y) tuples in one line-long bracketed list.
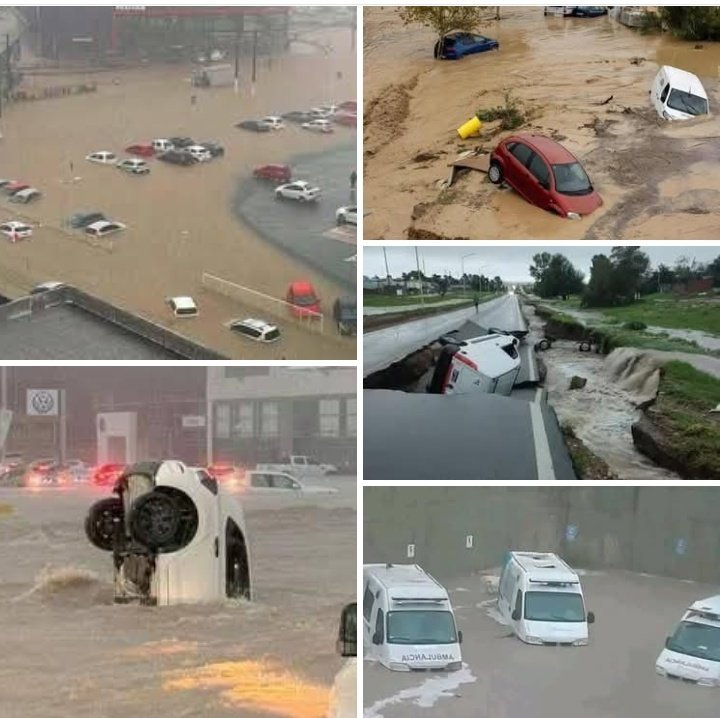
[(583, 82), (68, 650)]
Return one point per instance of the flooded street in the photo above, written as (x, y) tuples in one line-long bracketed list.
[(504, 678), (181, 221), (583, 82), (68, 650)]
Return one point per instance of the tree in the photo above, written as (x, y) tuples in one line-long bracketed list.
[(692, 23), (630, 266), (443, 19), (600, 289), (713, 270), (498, 285), (555, 275)]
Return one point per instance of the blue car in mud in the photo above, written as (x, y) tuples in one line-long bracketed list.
[(458, 44)]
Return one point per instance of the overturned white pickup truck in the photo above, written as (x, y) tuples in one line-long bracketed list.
[(303, 467), (175, 535)]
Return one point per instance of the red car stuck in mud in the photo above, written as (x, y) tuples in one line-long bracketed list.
[(545, 174), (274, 173), (303, 300)]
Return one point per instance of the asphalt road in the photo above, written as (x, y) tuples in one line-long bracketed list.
[(613, 677), (386, 346), (416, 437)]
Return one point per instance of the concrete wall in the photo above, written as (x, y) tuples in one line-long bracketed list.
[(668, 531)]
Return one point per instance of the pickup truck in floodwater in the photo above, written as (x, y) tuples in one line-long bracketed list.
[(301, 467)]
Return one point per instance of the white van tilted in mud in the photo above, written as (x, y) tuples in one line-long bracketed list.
[(540, 598), (678, 95), (408, 622), (489, 364), (692, 653), (175, 535)]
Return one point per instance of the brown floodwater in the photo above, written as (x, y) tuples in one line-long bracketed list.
[(563, 71), (180, 220)]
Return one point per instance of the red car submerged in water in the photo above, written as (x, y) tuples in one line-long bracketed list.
[(275, 173), (107, 474), (545, 174), (303, 299)]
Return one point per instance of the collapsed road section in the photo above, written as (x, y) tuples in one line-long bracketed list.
[(456, 396)]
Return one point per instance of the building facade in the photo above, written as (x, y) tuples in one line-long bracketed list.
[(261, 414)]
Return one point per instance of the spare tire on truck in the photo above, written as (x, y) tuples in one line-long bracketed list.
[(154, 520), (102, 521)]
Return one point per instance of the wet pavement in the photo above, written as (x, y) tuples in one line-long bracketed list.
[(301, 230), (504, 678), (180, 220), (653, 176), (68, 650)]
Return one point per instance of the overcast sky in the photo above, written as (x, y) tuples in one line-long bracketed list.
[(510, 262)]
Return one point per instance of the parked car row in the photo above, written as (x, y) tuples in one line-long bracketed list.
[(19, 192), (316, 119), (303, 302)]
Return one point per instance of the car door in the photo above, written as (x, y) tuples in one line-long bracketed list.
[(539, 182), (518, 176), (369, 612), (516, 615)]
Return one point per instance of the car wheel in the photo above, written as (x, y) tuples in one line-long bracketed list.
[(154, 520), (301, 199), (341, 220), (495, 173), (102, 521), (278, 195)]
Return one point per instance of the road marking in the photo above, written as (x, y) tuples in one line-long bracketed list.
[(543, 457), (538, 395)]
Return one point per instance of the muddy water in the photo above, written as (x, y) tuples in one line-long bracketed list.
[(562, 69), (180, 220), (68, 650), (603, 412)]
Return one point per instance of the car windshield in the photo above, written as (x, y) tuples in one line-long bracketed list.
[(305, 300), (686, 102), (696, 639), (571, 179), (554, 606), (273, 334), (421, 627)]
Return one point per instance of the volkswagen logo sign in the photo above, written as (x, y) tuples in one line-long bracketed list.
[(43, 402)]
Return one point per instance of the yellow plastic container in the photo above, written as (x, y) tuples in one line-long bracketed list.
[(471, 127)]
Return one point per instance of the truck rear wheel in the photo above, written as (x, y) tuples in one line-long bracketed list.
[(102, 521)]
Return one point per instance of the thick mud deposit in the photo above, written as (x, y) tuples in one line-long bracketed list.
[(181, 220), (69, 651), (584, 82)]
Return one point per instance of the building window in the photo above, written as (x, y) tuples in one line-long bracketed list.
[(222, 421), (245, 424), (351, 417), (269, 419), (329, 417)]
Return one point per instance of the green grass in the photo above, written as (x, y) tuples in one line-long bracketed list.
[(641, 340), (685, 399), (661, 310), (390, 300)]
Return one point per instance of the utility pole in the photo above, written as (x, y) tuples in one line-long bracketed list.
[(63, 426), (254, 62), (236, 83), (8, 71), (420, 276), (462, 268), (387, 270)]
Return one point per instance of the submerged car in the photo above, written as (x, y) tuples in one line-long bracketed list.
[(16, 230), (254, 126), (102, 229), (134, 166), (102, 157), (178, 157), (345, 315), (256, 329), (346, 215), (25, 196), (298, 116), (678, 95), (303, 300), (321, 125), (80, 220), (545, 174), (214, 148), (141, 150), (458, 44), (275, 173)]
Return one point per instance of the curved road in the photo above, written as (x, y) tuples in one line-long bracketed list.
[(386, 346)]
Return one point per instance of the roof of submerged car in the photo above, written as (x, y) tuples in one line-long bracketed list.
[(552, 151)]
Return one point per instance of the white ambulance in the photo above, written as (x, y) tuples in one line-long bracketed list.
[(408, 622), (692, 653), (541, 599)]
